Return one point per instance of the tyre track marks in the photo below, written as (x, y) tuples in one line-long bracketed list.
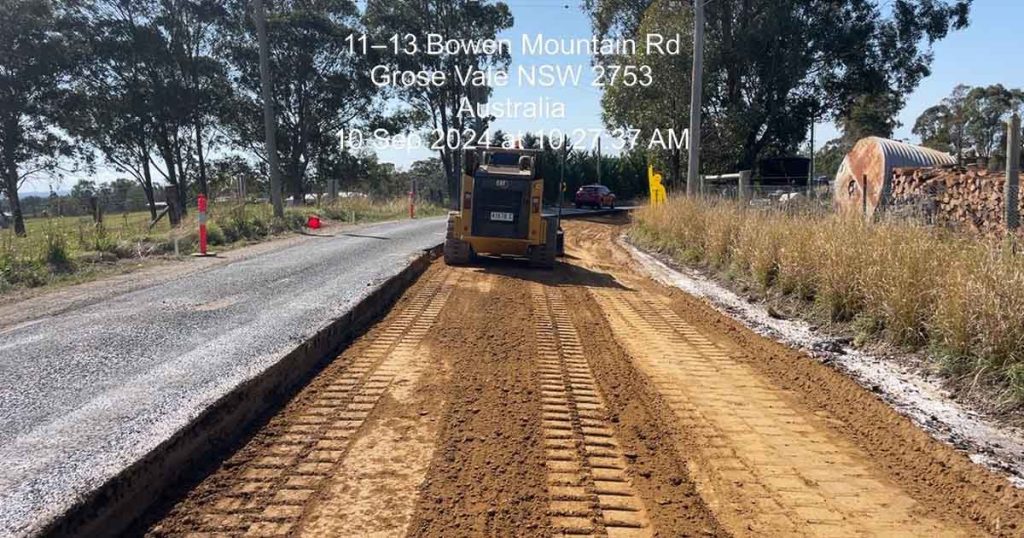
[(766, 467), (265, 492), (590, 491)]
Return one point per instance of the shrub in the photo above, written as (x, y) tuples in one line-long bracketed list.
[(56, 253), (215, 235)]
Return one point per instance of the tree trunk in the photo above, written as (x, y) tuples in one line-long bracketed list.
[(295, 179), (182, 177), (12, 195), (454, 190), (450, 162), (676, 172), (172, 173), (147, 187)]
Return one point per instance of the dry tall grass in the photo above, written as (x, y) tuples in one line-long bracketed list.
[(915, 287)]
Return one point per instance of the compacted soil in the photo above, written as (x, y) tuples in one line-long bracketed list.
[(498, 400)]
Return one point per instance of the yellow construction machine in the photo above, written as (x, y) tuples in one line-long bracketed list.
[(501, 209)]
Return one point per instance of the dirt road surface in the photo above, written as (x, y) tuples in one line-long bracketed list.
[(497, 400)]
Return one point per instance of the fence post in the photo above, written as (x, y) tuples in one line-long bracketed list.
[(412, 201), (1011, 189), (864, 198), (744, 189)]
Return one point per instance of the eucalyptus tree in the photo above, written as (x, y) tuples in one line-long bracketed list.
[(988, 108), (971, 120), (39, 55), (319, 88), (149, 88), (944, 126), (192, 30), (112, 106), (441, 107), (626, 106)]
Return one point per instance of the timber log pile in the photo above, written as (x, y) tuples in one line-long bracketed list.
[(970, 198)]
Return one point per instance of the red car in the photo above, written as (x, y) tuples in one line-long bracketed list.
[(596, 196)]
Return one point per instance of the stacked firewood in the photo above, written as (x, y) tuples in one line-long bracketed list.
[(970, 198)]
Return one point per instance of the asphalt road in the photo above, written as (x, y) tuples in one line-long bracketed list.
[(572, 212), (87, 392)]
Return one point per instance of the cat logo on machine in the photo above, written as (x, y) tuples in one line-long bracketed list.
[(501, 183)]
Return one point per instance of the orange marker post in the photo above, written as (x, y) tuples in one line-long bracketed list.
[(202, 228)]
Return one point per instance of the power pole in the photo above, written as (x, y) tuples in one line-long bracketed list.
[(598, 160), (1011, 188), (810, 173), (269, 122), (561, 179), (695, 97)]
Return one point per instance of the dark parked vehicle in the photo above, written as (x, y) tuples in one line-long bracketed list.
[(596, 196)]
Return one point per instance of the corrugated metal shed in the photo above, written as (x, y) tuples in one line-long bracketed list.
[(872, 160)]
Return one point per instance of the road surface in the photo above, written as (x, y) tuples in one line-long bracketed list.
[(497, 400), (88, 391)]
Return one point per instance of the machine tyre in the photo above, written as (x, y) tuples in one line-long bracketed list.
[(456, 251), (543, 256)]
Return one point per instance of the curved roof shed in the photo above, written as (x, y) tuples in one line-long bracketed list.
[(873, 159)]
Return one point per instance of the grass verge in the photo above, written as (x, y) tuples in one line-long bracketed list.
[(72, 249), (960, 298)]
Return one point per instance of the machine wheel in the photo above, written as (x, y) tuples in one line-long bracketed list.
[(543, 256), (456, 251)]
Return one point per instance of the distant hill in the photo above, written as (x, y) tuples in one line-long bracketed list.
[(41, 194)]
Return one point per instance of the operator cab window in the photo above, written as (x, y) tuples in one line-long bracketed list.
[(504, 159)]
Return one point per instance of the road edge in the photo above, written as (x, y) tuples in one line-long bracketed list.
[(118, 504)]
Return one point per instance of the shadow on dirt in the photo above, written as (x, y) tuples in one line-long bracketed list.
[(618, 218), (364, 236), (564, 274)]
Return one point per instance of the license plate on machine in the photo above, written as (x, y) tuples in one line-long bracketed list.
[(501, 216)]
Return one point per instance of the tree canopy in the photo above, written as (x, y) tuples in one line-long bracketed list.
[(971, 122), (774, 66), (168, 92), (437, 107)]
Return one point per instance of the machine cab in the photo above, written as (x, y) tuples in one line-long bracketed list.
[(502, 188), (500, 213)]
